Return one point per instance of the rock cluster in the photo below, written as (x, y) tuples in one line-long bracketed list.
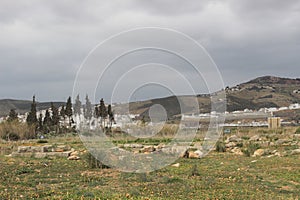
[(237, 145), (46, 151)]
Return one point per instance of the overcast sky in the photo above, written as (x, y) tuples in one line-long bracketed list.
[(43, 43)]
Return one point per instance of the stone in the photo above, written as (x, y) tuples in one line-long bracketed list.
[(23, 149), (62, 148), (35, 149), (255, 138), (46, 148), (16, 154), (295, 152), (59, 154), (282, 141), (230, 145), (233, 138), (74, 153), (274, 151), (277, 154), (73, 158), (161, 145), (259, 152), (147, 149), (197, 154), (176, 165), (40, 155), (175, 150), (237, 151), (133, 146)]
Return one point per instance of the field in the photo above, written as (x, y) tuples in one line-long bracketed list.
[(216, 176)]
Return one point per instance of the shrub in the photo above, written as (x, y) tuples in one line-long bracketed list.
[(16, 130), (250, 149), (220, 146)]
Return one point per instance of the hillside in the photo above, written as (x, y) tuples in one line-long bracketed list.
[(267, 91), (22, 106)]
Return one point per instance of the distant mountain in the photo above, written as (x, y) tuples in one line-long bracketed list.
[(267, 91), (22, 106)]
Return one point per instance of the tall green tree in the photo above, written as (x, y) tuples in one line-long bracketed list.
[(55, 115), (12, 116), (47, 123), (55, 118), (77, 106), (62, 112), (69, 111), (103, 112), (31, 118), (88, 108), (110, 115), (40, 122), (96, 112)]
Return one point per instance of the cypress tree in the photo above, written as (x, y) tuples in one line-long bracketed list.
[(68, 110), (96, 112), (103, 112), (55, 118), (47, 122), (40, 122), (55, 115), (77, 106), (31, 118), (110, 115), (88, 108)]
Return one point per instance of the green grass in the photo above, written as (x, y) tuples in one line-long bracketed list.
[(216, 176)]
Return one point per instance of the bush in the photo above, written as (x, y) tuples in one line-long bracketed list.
[(16, 131), (220, 146), (250, 149)]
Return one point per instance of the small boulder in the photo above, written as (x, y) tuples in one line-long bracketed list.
[(295, 152), (230, 145), (73, 158), (259, 152), (197, 154), (74, 153), (147, 149), (233, 138), (255, 138), (237, 151), (176, 165)]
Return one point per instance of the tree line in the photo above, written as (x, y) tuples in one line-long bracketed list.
[(60, 120)]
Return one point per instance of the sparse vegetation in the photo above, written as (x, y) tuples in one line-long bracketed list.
[(250, 148), (16, 131), (217, 176), (220, 146)]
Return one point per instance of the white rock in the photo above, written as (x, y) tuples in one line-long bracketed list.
[(176, 165)]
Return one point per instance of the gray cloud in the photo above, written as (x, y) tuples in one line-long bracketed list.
[(43, 43)]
